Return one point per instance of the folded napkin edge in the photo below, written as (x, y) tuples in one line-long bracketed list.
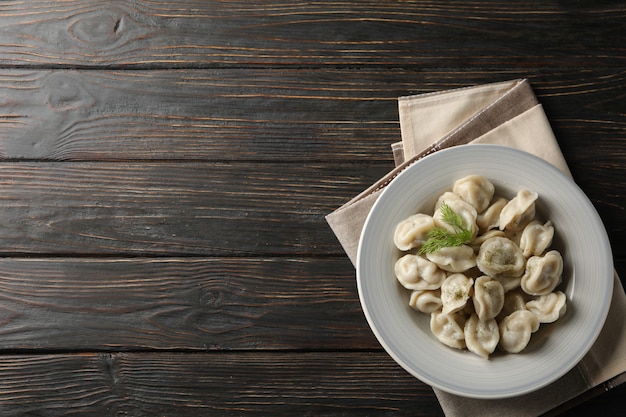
[(462, 90)]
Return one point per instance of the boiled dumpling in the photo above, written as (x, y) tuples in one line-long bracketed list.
[(513, 301), (509, 283), (481, 336), (476, 190), (465, 210), (480, 239), (516, 329), (455, 292), (500, 257), (454, 258), (490, 218), (488, 297), (417, 273), (448, 329), (543, 273), (548, 308), (413, 231), (426, 301), (536, 238), (446, 197), (519, 211)]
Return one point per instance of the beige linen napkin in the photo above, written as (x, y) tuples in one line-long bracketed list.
[(505, 113)]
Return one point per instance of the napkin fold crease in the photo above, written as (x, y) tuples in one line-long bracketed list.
[(506, 113)]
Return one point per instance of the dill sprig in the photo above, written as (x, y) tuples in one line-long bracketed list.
[(439, 237)]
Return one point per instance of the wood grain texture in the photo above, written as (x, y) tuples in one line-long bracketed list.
[(187, 304), (231, 384), (174, 208), (181, 33), (267, 115), (257, 115), (197, 384)]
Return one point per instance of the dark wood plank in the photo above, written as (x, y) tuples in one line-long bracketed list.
[(196, 114), (203, 209), (479, 34), (200, 384), (268, 115), (173, 208), (188, 304), (231, 384)]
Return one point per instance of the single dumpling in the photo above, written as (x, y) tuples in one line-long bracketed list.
[(543, 273), (480, 239), (500, 257), (518, 212), (490, 218), (446, 197), (488, 297), (454, 258), (536, 238), (476, 190), (448, 329), (426, 301), (465, 210), (481, 336), (417, 273), (516, 330), (513, 301), (455, 292), (548, 308), (413, 231)]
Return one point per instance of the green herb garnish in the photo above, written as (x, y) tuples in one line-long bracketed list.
[(439, 237)]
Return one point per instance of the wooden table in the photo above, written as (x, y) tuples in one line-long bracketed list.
[(167, 166)]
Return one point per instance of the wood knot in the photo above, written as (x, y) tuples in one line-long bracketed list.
[(212, 299), (102, 29), (65, 92)]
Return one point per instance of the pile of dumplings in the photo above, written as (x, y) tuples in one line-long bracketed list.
[(493, 291)]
